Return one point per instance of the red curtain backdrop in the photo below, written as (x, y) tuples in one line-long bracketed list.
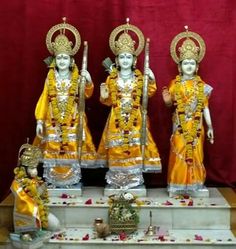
[(23, 28)]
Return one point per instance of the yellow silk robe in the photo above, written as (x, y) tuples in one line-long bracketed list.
[(125, 162), (26, 215), (61, 162), (181, 176)]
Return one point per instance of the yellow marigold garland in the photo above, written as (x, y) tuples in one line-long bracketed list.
[(30, 186), (121, 122), (189, 135), (63, 122)]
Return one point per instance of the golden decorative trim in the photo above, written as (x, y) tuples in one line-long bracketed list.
[(29, 155), (55, 47), (191, 37)]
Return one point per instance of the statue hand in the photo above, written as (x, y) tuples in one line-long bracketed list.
[(39, 129), (210, 134), (150, 74), (86, 74), (104, 91), (166, 96)]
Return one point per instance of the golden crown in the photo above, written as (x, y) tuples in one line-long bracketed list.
[(61, 44), (124, 44), (188, 49), (29, 155), (120, 43)]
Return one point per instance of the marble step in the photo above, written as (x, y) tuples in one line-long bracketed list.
[(83, 238), (174, 213), (206, 223)]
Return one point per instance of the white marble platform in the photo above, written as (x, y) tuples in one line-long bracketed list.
[(71, 238), (184, 222), (173, 213)]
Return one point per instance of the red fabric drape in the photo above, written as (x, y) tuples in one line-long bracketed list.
[(23, 28)]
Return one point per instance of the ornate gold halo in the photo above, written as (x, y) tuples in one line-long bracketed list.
[(62, 27), (185, 35), (127, 27)]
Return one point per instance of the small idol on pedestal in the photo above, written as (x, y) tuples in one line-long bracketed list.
[(127, 146), (62, 130), (189, 95)]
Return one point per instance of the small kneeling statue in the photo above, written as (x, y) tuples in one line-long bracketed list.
[(31, 213)]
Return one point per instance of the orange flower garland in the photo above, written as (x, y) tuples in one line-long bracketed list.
[(189, 135), (52, 93), (121, 122), (30, 187)]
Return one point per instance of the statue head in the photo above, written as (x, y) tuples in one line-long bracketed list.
[(63, 61), (188, 67), (126, 61)]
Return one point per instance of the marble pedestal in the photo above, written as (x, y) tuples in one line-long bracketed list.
[(201, 193), (139, 191), (75, 190)]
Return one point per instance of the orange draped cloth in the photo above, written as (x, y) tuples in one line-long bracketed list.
[(119, 151), (181, 175), (61, 159), (26, 215)]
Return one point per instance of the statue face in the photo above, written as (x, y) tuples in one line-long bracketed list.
[(125, 60), (188, 67), (32, 172), (63, 61)]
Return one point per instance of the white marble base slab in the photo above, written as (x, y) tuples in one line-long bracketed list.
[(139, 191), (75, 190), (74, 238), (198, 213), (201, 193), (172, 239)]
